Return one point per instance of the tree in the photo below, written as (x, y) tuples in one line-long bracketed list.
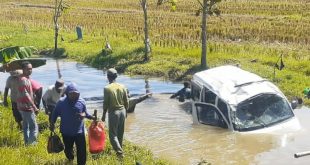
[(147, 46), (60, 7), (208, 7)]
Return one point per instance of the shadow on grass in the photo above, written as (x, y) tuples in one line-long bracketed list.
[(60, 53), (122, 61), (107, 59), (43, 126), (10, 142), (105, 152), (13, 138), (59, 162), (189, 73)]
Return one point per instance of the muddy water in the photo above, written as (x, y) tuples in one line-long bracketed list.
[(165, 126)]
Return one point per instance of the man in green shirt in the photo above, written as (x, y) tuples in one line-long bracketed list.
[(133, 101), (116, 103)]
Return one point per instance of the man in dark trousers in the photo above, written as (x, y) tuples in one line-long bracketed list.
[(116, 102), (72, 110), (11, 84)]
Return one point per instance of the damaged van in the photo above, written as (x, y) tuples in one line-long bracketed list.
[(238, 100)]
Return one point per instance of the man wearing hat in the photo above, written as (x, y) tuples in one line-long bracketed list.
[(11, 84), (52, 95), (116, 102)]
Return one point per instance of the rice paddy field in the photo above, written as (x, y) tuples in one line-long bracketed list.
[(251, 33)]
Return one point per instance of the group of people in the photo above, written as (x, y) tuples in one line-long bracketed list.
[(25, 98), (26, 95)]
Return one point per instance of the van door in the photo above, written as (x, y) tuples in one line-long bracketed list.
[(196, 90), (196, 94), (210, 115)]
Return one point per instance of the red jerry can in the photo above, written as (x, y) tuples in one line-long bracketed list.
[(96, 136)]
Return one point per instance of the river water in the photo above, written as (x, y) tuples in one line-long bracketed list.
[(165, 126)]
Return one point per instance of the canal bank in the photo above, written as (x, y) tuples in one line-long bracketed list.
[(165, 126)]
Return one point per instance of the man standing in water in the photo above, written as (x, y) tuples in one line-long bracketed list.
[(11, 84), (133, 101), (26, 105), (184, 93), (116, 102)]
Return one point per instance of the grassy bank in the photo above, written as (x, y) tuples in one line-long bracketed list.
[(175, 63), (12, 150), (253, 34)]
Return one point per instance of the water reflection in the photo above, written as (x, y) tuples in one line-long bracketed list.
[(91, 81), (291, 143)]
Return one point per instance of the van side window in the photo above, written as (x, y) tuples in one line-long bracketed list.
[(196, 92), (208, 114), (209, 97), (223, 108)]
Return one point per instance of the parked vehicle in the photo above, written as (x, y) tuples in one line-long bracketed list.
[(238, 100)]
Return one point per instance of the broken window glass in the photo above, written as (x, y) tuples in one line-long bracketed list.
[(261, 111)]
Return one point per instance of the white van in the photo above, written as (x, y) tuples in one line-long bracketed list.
[(232, 98)]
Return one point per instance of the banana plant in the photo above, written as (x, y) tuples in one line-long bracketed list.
[(10, 54)]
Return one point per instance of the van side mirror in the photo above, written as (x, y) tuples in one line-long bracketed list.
[(296, 102)]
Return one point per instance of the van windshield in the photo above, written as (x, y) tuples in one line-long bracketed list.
[(261, 111)]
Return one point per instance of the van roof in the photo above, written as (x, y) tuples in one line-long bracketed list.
[(233, 84)]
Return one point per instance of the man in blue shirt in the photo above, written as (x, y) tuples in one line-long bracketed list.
[(72, 110)]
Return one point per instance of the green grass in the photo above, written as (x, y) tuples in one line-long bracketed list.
[(174, 63), (12, 150), (244, 34)]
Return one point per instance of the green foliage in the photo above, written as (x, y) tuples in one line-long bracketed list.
[(211, 7), (173, 3), (244, 33), (14, 53), (61, 7)]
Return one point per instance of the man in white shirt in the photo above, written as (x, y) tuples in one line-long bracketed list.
[(11, 84), (52, 95)]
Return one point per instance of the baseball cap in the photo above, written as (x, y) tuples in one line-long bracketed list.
[(112, 71), (59, 84), (16, 72)]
